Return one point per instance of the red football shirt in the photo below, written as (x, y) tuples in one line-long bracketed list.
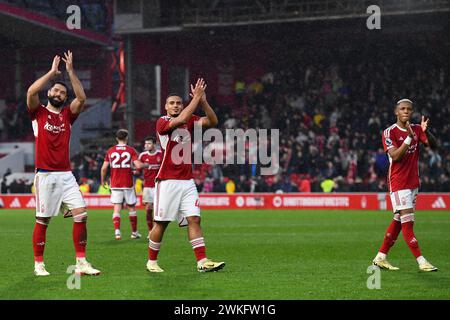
[(52, 132), (169, 138), (120, 158), (154, 160), (403, 174)]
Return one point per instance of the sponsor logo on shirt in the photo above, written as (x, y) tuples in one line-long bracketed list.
[(53, 128)]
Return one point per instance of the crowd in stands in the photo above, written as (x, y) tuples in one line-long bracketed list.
[(14, 120), (331, 110), (331, 116), (16, 185)]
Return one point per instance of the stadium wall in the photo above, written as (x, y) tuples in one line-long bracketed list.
[(221, 63), (271, 201), (92, 65)]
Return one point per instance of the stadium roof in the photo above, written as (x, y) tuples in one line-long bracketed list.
[(22, 27), (140, 16)]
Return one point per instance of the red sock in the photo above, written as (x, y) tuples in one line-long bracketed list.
[(153, 250), (408, 234), (116, 221), (80, 238), (391, 235), (149, 219), (39, 233), (133, 221), (198, 245)]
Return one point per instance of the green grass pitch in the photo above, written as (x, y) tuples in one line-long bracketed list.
[(270, 255)]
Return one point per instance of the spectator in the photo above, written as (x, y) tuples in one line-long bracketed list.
[(4, 187), (305, 185), (219, 185), (327, 185), (208, 184), (230, 186), (104, 190), (84, 186), (243, 184)]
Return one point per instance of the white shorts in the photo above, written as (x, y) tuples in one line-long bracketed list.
[(119, 195), (148, 195), (404, 199), (56, 192), (176, 200)]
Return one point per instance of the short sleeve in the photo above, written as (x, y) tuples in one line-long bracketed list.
[(106, 157), (72, 116), (194, 118), (34, 114), (388, 140), (134, 154), (162, 126)]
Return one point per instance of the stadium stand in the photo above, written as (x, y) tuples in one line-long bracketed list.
[(330, 117)]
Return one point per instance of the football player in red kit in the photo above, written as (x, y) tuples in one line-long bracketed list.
[(56, 188), (401, 142), (153, 157), (176, 196), (120, 159)]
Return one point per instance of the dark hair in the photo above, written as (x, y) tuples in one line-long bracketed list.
[(150, 138), (122, 134), (173, 94), (61, 83)]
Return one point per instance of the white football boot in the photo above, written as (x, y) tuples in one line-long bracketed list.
[(39, 269), (84, 268)]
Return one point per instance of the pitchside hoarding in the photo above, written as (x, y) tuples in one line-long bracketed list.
[(351, 201)]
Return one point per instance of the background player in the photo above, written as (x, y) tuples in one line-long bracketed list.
[(120, 158), (401, 142), (176, 194), (56, 187), (153, 158)]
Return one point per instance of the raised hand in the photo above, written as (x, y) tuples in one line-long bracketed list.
[(424, 124), (68, 60), (410, 130), (202, 98), (199, 89), (55, 66)]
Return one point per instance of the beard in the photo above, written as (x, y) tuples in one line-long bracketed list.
[(54, 102)]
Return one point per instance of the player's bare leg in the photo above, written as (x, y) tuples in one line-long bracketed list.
[(116, 220), (154, 244), (390, 237), (133, 221), (80, 241), (197, 241), (39, 235), (407, 220), (149, 217)]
